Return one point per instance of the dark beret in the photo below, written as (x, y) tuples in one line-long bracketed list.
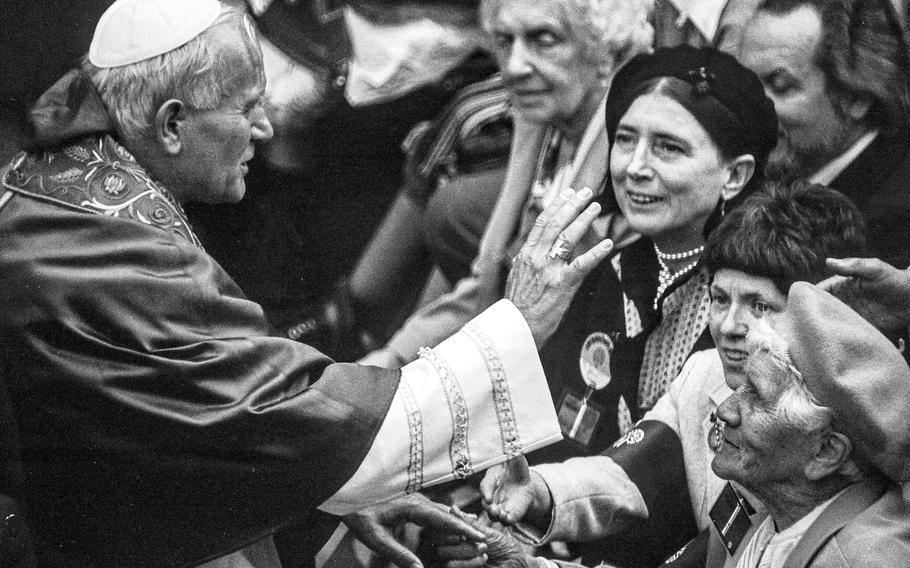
[(727, 99)]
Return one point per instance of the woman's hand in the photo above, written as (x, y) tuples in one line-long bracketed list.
[(511, 492), (549, 269)]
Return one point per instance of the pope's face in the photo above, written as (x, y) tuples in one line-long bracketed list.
[(218, 143)]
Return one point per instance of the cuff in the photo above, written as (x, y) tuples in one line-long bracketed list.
[(477, 399), (436, 321), (592, 498)]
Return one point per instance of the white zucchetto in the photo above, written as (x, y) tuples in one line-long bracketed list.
[(132, 30)]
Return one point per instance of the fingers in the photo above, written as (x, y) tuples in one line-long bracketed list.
[(568, 216), (561, 212), (384, 543), (444, 521), (585, 263), (832, 283), (868, 268), (461, 551), (491, 482), (577, 228), (543, 220)]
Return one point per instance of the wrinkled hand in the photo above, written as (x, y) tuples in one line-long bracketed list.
[(873, 288), (542, 283), (499, 544), (374, 525), (511, 493)]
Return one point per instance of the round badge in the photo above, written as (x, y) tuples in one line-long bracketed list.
[(594, 361)]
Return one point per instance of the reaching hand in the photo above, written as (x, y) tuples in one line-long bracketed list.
[(873, 288), (374, 525), (511, 493), (543, 280), (499, 545)]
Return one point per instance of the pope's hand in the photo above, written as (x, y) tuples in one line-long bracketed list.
[(374, 526)]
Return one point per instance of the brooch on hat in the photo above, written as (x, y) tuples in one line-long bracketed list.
[(701, 79)]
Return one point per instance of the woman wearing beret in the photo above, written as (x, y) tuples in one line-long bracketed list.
[(689, 132)]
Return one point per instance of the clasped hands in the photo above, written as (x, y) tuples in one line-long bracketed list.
[(510, 492)]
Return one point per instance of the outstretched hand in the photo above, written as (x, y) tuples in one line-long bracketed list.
[(549, 269), (873, 288), (511, 492), (499, 545), (374, 525)]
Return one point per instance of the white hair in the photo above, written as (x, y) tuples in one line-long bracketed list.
[(612, 31), (194, 73), (795, 404)]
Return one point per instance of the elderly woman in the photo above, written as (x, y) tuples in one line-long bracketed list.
[(557, 58)]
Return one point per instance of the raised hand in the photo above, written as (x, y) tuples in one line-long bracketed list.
[(550, 268), (511, 492), (873, 288)]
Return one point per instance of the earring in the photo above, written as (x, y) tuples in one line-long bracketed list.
[(723, 207)]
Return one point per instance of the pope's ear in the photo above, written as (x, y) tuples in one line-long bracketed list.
[(169, 123)]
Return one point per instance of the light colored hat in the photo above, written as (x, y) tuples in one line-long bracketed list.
[(133, 30), (856, 371)]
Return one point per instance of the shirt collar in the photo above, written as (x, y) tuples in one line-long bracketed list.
[(834, 168)]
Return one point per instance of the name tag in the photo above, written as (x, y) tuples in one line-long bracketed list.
[(730, 516)]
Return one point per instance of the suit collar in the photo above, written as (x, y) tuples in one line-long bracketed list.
[(845, 507), (871, 168)]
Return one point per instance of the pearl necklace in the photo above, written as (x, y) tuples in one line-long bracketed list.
[(665, 278), (678, 255)]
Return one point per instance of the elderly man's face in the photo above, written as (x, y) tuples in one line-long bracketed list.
[(544, 66), (218, 143), (761, 449), (781, 49)]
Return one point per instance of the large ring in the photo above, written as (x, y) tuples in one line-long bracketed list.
[(560, 249)]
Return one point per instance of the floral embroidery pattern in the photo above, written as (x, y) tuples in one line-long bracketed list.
[(98, 175)]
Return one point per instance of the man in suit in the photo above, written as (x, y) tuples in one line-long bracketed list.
[(838, 75)]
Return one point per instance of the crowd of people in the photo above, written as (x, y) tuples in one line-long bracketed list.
[(641, 299)]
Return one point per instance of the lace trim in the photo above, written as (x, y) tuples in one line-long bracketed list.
[(459, 450), (502, 398), (415, 433)]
